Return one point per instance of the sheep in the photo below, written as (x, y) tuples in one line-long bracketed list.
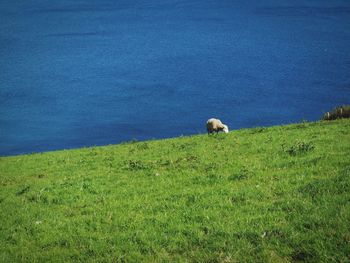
[(215, 125)]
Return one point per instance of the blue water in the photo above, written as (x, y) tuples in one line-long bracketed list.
[(96, 72)]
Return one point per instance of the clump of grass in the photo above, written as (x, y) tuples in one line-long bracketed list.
[(188, 159), (134, 165), (23, 190), (257, 130), (184, 146), (143, 146), (337, 113), (241, 174), (298, 147)]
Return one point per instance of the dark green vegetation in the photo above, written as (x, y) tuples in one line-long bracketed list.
[(338, 113), (278, 194)]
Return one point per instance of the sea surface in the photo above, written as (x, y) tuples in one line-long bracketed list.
[(97, 72)]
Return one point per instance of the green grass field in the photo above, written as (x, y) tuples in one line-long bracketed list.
[(277, 194)]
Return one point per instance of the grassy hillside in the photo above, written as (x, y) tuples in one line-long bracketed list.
[(278, 194)]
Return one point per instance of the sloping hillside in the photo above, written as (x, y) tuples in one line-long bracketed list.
[(275, 194)]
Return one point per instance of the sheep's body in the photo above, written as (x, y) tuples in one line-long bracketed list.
[(215, 125)]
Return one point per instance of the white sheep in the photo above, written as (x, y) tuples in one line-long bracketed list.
[(215, 125)]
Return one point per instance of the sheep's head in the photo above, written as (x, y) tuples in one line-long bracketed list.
[(225, 129)]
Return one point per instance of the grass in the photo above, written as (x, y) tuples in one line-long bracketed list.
[(278, 194)]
